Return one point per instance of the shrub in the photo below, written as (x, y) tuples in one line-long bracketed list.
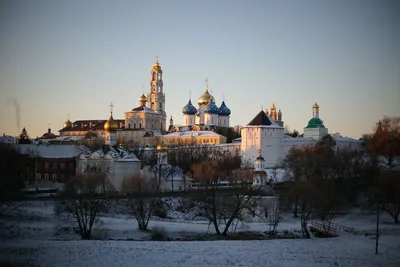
[(158, 234)]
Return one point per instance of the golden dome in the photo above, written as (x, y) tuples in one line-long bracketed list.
[(142, 100), (68, 123), (156, 67), (205, 98), (111, 125), (162, 147)]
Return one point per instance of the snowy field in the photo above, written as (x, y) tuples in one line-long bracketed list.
[(35, 236)]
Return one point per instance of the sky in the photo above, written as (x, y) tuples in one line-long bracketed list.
[(76, 57)]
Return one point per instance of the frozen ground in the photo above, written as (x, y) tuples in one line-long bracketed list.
[(33, 238)]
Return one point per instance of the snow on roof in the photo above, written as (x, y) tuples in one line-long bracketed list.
[(68, 138), (51, 151), (194, 133), (143, 109), (115, 152), (338, 138)]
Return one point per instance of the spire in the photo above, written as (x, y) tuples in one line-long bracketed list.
[(111, 107), (190, 95), (223, 96), (206, 83), (142, 89)]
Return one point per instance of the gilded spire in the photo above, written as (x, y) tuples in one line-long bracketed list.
[(111, 107)]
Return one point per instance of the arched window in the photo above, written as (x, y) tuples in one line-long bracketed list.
[(38, 176), (54, 177), (46, 176)]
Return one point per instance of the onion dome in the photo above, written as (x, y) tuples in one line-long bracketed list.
[(205, 98), (111, 125), (162, 147), (142, 100), (189, 109), (224, 110), (68, 123), (315, 123), (156, 67), (211, 108), (315, 106)]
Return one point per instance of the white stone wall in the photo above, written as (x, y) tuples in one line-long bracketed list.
[(189, 120), (210, 119), (122, 169), (223, 121), (268, 139), (315, 133)]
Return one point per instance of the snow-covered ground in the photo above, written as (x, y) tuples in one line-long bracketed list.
[(37, 237)]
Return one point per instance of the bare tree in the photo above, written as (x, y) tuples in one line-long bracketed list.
[(141, 197), (224, 197), (385, 141), (84, 199), (274, 219), (388, 193)]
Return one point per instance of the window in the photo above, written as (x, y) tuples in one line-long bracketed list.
[(46, 165), (62, 165), (54, 177), (140, 125), (71, 165), (55, 165), (38, 176), (62, 178), (46, 176)]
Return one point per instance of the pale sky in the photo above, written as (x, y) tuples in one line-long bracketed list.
[(75, 57)]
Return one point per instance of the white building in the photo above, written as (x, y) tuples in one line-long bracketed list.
[(263, 134), (114, 162), (168, 177)]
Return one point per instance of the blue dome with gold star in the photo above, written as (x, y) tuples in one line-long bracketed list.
[(211, 108), (189, 109), (224, 110)]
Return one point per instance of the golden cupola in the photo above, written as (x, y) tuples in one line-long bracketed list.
[(315, 106), (162, 147), (111, 125), (68, 123), (142, 100), (156, 67), (205, 98)]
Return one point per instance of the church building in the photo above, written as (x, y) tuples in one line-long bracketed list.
[(264, 134), (207, 115)]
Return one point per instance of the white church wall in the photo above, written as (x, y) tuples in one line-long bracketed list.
[(122, 169), (223, 121), (271, 148)]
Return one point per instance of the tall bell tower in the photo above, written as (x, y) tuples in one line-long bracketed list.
[(156, 96)]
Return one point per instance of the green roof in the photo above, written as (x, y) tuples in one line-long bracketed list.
[(315, 123)]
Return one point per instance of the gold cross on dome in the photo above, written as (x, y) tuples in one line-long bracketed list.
[(111, 107)]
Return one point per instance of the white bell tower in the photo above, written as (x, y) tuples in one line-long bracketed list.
[(156, 96)]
